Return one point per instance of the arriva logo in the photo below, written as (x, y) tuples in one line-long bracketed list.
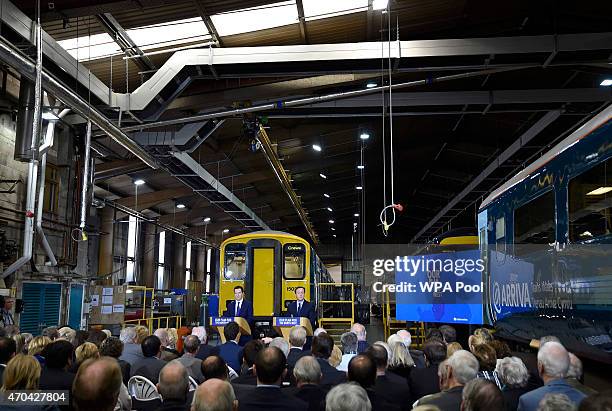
[(511, 295)]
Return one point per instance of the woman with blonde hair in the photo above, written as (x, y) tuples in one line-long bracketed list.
[(142, 332), (38, 344), (19, 343), (452, 347), (336, 357), (86, 351), (401, 362), (21, 373)]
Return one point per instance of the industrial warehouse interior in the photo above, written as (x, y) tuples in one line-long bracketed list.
[(305, 204)]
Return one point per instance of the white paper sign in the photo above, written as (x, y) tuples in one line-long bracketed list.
[(107, 299), (167, 300), (107, 291), (118, 308), (95, 300), (107, 309)]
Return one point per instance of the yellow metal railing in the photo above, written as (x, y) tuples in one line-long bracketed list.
[(153, 323), (335, 326), (391, 325)]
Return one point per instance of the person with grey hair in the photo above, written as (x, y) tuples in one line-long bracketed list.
[(167, 354), (553, 363), (205, 350), (307, 373), (454, 373), (347, 397), (556, 402), (574, 376), (481, 395), (189, 360), (281, 344), (214, 395), (318, 331), (132, 352), (297, 339), (50, 332), (362, 341), (513, 375), (449, 333), (349, 350), (173, 386)]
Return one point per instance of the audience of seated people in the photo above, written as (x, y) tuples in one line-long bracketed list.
[(275, 374)]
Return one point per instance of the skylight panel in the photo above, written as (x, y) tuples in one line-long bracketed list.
[(91, 47), (169, 34), (320, 9), (256, 18)]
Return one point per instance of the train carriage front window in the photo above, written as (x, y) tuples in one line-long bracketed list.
[(235, 261), (534, 222), (294, 256), (590, 203)]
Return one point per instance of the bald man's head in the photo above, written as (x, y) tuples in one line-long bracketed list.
[(173, 381), (214, 395), (96, 385)]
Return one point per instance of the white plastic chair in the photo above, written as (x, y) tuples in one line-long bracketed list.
[(142, 389), (193, 385)]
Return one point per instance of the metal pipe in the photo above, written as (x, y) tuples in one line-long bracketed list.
[(85, 185), (26, 68), (319, 99), (28, 231)]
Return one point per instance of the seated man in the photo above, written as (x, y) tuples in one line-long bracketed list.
[(270, 369), (58, 359), (249, 353), (7, 351), (189, 360), (553, 363), (302, 308), (173, 386), (362, 370), (389, 386), (97, 385), (230, 351), (307, 373), (482, 394), (297, 339), (322, 347), (214, 394), (214, 367), (362, 341), (150, 366)]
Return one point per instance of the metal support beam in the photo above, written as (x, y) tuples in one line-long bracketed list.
[(285, 181), (187, 160), (533, 131), (208, 23), (302, 20), (123, 40)]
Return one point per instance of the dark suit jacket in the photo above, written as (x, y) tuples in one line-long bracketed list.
[(172, 405), (331, 376), (55, 379), (378, 403), (149, 368), (206, 351), (511, 397), (246, 379), (424, 381), (307, 311), (362, 346), (2, 367), (271, 398), (449, 400), (394, 389), (246, 310), (232, 354), (125, 371), (311, 394), (294, 355)]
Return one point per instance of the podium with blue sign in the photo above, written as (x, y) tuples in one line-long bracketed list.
[(219, 323), (283, 325)]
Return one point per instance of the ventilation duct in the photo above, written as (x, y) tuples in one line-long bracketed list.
[(25, 121)]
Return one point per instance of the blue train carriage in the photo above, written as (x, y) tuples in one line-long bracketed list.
[(546, 237)]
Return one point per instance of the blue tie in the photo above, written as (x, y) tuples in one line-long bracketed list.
[(299, 307)]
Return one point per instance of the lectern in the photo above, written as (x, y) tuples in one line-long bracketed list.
[(283, 325), (219, 323)]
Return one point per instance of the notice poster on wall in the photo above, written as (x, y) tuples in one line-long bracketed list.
[(106, 310)]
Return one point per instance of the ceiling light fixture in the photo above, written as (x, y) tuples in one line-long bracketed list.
[(360, 167), (316, 147), (371, 84), (364, 136), (331, 221), (323, 176), (139, 182), (333, 229), (329, 209), (379, 4), (356, 214), (599, 191), (180, 205), (359, 188), (325, 195), (606, 82), (225, 231), (334, 235), (207, 220)]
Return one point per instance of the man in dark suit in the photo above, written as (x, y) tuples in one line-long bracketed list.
[(230, 351), (302, 308), (204, 350), (150, 366), (425, 381), (297, 339), (307, 374), (322, 347), (239, 307), (390, 387), (454, 373), (7, 351), (249, 354), (362, 370), (58, 359), (173, 386), (270, 369)]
